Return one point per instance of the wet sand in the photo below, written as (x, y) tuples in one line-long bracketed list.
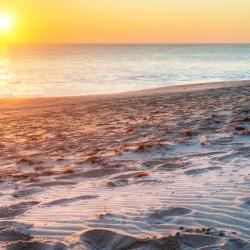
[(157, 169)]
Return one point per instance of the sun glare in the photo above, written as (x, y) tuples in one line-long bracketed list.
[(5, 23)]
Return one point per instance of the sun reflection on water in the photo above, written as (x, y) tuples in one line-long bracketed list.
[(5, 75)]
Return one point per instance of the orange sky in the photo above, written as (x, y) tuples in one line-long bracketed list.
[(127, 21)]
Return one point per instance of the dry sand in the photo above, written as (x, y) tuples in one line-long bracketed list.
[(157, 169)]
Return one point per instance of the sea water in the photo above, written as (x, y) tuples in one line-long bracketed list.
[(70, 70)]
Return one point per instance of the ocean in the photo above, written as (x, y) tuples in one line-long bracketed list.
[(72, 70)]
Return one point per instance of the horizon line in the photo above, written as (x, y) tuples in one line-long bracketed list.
[(134, 43)]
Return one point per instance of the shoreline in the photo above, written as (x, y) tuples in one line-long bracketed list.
[(25, 102)]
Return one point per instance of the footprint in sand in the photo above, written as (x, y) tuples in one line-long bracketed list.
[(16, 209), (95, 173), (11, 234), (200, 170), (167, 214), (36, 245), (117, 183), (71, 200), (5, 224), (52, 183), (26, 192), (246, 202), (152, 163)]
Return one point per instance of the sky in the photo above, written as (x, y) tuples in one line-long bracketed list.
[(127, 21)]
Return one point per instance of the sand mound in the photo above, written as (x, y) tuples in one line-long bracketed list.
[(117, 240), (103, 239)]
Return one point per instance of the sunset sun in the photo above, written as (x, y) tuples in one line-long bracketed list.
[(5, 23)]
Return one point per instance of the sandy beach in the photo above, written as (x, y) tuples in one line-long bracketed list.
[(166, 168)]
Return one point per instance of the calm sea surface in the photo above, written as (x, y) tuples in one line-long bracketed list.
[(60, 70)]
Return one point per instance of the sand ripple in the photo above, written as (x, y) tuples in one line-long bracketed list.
[(142, 172)]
